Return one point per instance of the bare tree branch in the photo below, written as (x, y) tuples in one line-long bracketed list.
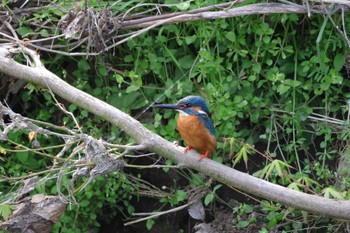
[(312, 203), (259, 8), (100, 30)]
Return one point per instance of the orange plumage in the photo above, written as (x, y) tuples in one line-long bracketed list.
[(196, 135)]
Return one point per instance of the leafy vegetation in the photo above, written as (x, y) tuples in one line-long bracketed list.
[(277, 86)]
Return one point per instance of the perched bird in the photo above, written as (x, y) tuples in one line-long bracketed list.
[(194, 124)]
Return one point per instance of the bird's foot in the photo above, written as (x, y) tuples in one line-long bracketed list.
[(203, 156), (187, 148)]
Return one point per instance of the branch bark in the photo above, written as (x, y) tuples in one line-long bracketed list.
[(78, 24), (311, 203), (205, 14)]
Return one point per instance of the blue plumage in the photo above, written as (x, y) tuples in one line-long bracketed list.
[(197, 101), (208, 124)]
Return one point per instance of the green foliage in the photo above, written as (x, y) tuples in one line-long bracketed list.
[(331, 192), (276, 168), (104, 193), (210, 196), (149, 224), (175, 198), (6, 211), (244, 210), (242, 154)]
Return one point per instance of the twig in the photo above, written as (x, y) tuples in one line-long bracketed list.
[(11, 29), (35, 58), (342, 33), (30, 175), (47, 124), (157, 214), (139, 156), (343, 24), (34, 151), (152, 166)]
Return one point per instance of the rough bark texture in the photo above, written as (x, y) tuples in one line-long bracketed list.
[(36, 214)]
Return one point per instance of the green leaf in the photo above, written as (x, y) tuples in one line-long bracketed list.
[(294, 186), (256, 68), (281, 89), (97, 91), (337, 79), (243, 224), (272, 223), (22, 156), (276, 166), (131, 209), (6, 211), (183, 6), (231, 36), (186, 62), (128, 58), (307, 181), (180, 195), (217, 187), (266, 39), (44, 33), (132, 88), (23, 31), (339, 61), (83, 65), (102, 70), (119, 78), (208, 198), (242, 155), (197, 180), (331, 192), (84, 203), (247, 209), (93, 216), (149, 224), (190, 39)]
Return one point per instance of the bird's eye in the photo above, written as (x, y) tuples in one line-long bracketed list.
[(183, 105)]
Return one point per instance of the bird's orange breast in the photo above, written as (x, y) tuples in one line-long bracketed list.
[(196, 135)]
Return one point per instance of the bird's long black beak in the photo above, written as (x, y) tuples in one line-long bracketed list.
[(166, 106)]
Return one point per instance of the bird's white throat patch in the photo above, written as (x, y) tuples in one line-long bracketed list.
[(182, 113)]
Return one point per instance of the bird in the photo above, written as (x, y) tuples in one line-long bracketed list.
[(194, 125)]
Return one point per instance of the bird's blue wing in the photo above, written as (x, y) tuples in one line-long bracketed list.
[(208, 124)]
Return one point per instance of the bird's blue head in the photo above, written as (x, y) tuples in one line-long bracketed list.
[(193, 102), (191, 105)]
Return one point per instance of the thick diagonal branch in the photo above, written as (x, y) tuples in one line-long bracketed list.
[(312, 203)]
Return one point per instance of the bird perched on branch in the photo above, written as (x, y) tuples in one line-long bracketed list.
[(194, 124)]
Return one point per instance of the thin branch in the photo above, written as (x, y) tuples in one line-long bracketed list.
[(157, 214), (152, 166)]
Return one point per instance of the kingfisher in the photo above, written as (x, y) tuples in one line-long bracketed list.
[(194, 124)]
